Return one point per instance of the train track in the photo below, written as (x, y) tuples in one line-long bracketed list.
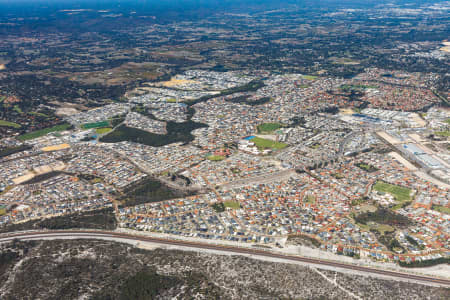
[(70, 234)]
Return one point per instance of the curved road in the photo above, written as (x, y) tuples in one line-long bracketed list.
[(116, 235)]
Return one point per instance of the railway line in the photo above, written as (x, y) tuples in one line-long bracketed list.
[(83, 234)]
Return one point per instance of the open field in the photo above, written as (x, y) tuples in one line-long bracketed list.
[(56, 147), (268, 127), (9, 124), (268, 144), (309, 77), (232, 204), (216, 157), (442, 133), (42, 132), (368, 208), (176, 82), (399, 193), (442, 209), (382, 229), (311, 199), (95, 125), (103, 130)]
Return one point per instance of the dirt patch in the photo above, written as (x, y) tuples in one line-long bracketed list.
[(176, 82), (66, 111)]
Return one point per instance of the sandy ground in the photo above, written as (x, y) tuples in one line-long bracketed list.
[(346, 111), (421, 122), (388, 138), (59, 166), (417, 138), (66, 111), (2, 67), (56, 147), (176, 82), (403, 161)]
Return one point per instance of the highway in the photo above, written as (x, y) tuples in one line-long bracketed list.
[(82, 234)]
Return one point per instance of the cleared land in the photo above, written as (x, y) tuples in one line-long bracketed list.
[(268, 144), (56, 147), (403, 161), (176, 82), (39, 133)]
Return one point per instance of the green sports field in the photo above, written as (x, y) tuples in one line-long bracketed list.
[(268, 127), (268, 144), (42, 132), (216, 157), (95, 125), (401, 194)]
